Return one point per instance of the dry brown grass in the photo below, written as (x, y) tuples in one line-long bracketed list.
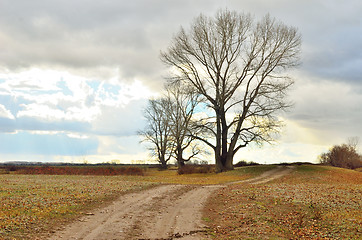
[(314, 202), (190, 169), (76, 170)]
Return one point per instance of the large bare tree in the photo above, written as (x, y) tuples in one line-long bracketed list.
[(238, 66)]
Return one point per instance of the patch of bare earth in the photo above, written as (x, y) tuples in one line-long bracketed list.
[(268, 176), (164, 212)]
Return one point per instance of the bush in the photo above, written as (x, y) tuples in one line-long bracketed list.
[(13, 168), (189, 169), (244, 163), (344, 156), (4, 170)]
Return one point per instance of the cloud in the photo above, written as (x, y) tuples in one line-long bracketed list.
[(85, 69), (327, 106), (98, 38), (119, 145), (54, 36), (53, 100), (282, 153), (5, 113), (121, 120)]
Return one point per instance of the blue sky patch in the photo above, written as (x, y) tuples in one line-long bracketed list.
[(50, 144)]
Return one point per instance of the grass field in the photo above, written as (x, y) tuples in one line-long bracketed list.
[(171, 176), (313, 202), (31, 205)]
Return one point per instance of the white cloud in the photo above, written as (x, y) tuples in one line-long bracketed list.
[(40, 132), (330, 110), (5, 113), (34, 79), (52, 113), (121, 120), (51, 95), (282, 152), (78, 136), (42, 112)]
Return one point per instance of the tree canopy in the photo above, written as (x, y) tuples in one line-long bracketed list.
[(238, 66)]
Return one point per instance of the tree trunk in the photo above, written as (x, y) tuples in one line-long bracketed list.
[(180, 164), (218, 163), (163, 165), (179, 157), (223, 163), (163, 162), (229, 163)]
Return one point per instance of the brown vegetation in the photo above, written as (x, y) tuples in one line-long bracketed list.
[(72, 170), (189, 169), (244, 163), (344, 156), (314, 202)]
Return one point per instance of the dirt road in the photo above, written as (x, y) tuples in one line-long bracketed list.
[(268, 176), (164, 212)]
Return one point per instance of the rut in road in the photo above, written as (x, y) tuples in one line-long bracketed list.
[(165, 212), (268, 176)]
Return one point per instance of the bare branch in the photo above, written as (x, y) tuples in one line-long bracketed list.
[(238, 67)]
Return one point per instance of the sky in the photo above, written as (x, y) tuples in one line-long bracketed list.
[(75, 76)]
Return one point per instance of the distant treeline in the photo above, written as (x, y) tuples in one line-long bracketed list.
[(16, 163), (106, 170)]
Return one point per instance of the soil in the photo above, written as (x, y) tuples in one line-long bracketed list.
[(161, 213), (268, 176)]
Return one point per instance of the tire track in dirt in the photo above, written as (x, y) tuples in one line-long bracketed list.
[(184, 220), (165, 212), (268, 176)]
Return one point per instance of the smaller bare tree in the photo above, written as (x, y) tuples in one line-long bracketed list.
[(158, 130), (353, 142), (182, 102)]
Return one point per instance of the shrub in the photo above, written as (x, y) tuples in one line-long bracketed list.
[(244, 163), (13, 168), (189, 169), (344, 156), (3, 170)]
